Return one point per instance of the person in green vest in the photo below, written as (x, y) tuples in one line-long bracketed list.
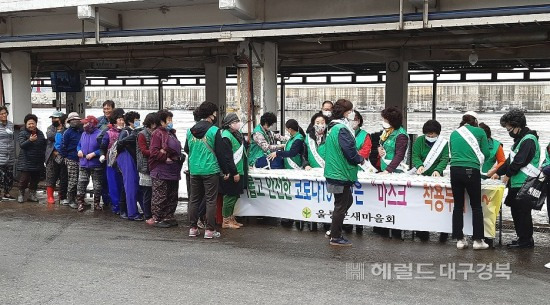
[(341, 167), (496, 154), (546, 171), (430, 157), (264, 142), (469, 149), (206, 162), (394, 142), (315, 142), (294, 148), (362, 138), (523, 162), (232, 186)]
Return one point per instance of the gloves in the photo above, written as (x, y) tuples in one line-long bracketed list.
[(102, 159)]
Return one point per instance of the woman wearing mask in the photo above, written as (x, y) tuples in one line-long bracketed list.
[(394, 142), (496, 154), (143, 152), (264, 142), (315, 142), (89, 153), (165, 163), (31, 158), (469, 149), (127, 164), (341, 166), (362, 138), (522, 163), (294, 148), (430, 157), (71, 138), (7, 153), (55, 170), (114, 177), (232, 186)]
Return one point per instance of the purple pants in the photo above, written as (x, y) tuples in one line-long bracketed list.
[(130, 179)]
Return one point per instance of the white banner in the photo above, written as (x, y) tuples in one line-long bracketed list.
[(396, 201)]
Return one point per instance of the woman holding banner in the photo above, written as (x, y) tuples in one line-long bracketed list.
[(522, 163), (315, 142), (496, 154), (430, 156), (469, 149), (294, 148), (341, 166)]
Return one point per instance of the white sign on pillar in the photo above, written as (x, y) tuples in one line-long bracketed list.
[(17, 85)]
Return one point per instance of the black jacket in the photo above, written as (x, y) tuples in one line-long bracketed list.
[(524, 156), (127, 141), (31, 156)]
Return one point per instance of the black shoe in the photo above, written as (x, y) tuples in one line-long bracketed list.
[(161, 224), (517, 245), (171, 222), (423, 235), (443, 237), (137, 218)]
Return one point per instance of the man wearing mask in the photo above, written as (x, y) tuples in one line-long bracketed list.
[(69, 152), (55, 168)]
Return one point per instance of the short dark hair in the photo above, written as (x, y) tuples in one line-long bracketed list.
[(486, 128), (268, 118), (431, 126), (340, 107), (109, 103), (116, 114), (393, 116), (318, 115), (29, 117), (164, 114), (206, 109), (358, 115), (4, 108), (150, 119), (63, 118), (327, 102), (130, 117), (469, 119), (515, 118)]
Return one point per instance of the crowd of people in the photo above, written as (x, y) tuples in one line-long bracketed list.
[(135, 167)]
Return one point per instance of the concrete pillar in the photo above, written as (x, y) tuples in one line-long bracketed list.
[(76, 101), (216, 86), (17, 85), (263, 57), (397, 86)]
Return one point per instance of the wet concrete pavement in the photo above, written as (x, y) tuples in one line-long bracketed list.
[(54, 255)]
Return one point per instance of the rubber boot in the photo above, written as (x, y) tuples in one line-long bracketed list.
[(50, 191)]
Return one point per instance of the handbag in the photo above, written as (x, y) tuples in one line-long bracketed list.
[(533, 192)]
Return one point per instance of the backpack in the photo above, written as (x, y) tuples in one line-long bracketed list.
[(112, 154)]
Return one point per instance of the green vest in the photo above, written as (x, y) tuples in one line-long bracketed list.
[(256, 151), (490, 162), (517, 180), (320, 150), (360, 137), (298, 158), (202, 159), (337, 166), (547, 160), (235, 146), (389, 146)]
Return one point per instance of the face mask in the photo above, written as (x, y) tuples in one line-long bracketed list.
[(74, 124), (353, 124), (88, 128), (386, 125), (169, 126), (327, 113), (215, 120), (236, 126), (512, 134), (351, 116), (431, 140), (320, 128), (55, 124), (137, 123)]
